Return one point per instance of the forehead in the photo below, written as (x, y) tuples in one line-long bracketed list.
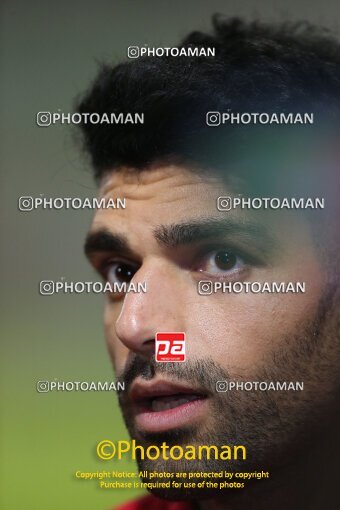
[(169, 180), (163, 191), (173, 196)]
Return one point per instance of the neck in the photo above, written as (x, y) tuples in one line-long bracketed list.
[(311, 481)]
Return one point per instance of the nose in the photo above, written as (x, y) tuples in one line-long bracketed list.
[(160, 308)]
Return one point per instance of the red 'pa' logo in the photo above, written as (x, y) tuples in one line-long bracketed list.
[(170, 347)]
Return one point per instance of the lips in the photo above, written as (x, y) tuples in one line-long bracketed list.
[(159, 405), (163, 403)]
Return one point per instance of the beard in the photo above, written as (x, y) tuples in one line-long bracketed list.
[(275, 427)]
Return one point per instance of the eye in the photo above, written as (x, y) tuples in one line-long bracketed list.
[(223, 261), (119, 272)]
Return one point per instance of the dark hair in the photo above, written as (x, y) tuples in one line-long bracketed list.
[(257, 67)]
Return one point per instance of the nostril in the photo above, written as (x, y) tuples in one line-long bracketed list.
[(147, 348), (149, 344)]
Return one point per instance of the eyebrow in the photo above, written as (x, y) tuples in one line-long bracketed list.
[(210, 228), (105, 241), (174, 235)]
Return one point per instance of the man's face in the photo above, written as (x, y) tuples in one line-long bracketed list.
[(170, 236)]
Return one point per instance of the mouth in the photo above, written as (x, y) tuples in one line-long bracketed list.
[(160, 405)]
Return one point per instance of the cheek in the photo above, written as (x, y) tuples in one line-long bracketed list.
[(240, 331)]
